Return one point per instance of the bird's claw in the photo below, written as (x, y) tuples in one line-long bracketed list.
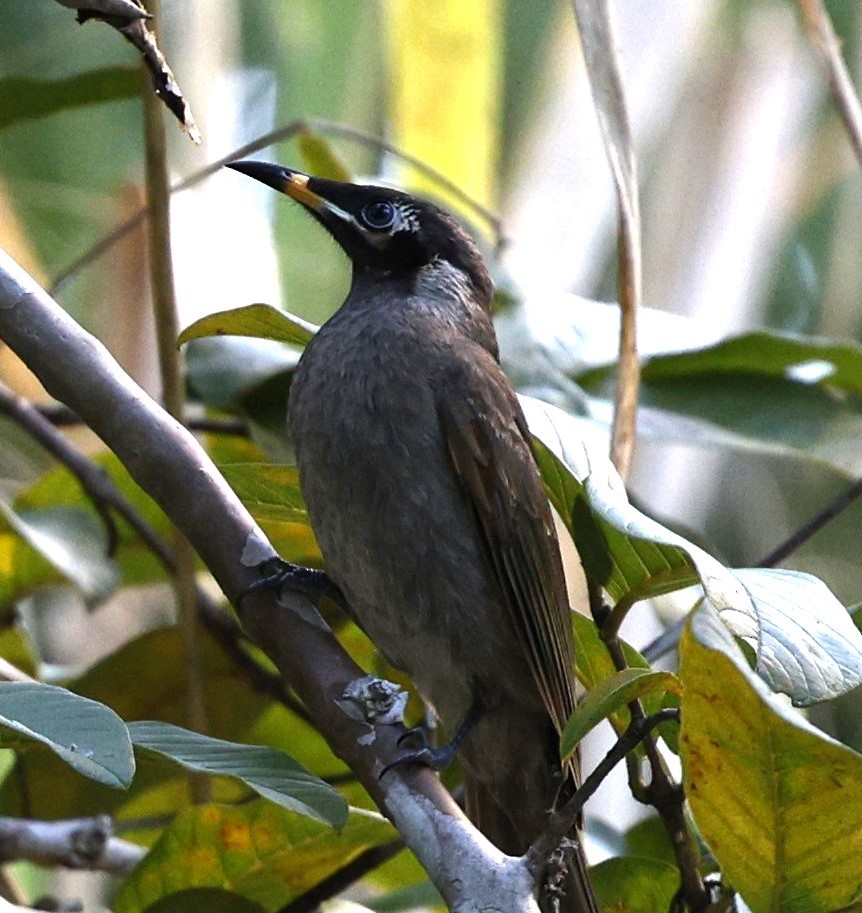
[(437, 758), (276, 573)]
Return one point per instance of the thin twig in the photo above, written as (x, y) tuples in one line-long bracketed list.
[(58, 415), (62, 417), (564, 819), (822, 36), (599, 47), (232, 426), (808, 529), (173, 394), (95, 482), (662, 792), (324, 127), (343, 878)]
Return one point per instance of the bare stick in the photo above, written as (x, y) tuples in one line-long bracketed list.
[(564, 819), (822, 36), (161, 272), (324, 127), (77, 843), (662, 792), (598, 42)]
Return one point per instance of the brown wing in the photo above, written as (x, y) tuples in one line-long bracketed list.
[(489, 444)]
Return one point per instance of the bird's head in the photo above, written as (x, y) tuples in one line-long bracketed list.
[(383, 231)]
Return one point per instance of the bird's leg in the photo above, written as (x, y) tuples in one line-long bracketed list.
[(436, 757), (276, 573)]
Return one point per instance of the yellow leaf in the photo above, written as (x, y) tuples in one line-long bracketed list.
[(778, 802), (444, 90)]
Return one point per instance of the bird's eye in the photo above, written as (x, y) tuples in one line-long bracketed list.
[(378, 215)]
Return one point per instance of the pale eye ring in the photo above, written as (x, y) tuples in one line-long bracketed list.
[(379, 215)]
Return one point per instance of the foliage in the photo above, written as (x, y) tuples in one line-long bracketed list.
[(775, 801)]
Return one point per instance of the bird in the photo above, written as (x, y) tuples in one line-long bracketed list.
[(416, 465)]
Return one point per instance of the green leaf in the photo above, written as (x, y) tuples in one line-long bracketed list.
[(803, 639), (809, 647), (271, 773), (261, 321), (270, 491), (648, 839), (17, 648), (771, 795), (258, 850), (806, 360), (593, 665), (771, 392), (593, 662), (272, 495), (23, 99), (634, 885), (72, 542), (625, 552), (153, 671), (223, 369), (320, 159), (609, 696), (88, 736), (22, 568)]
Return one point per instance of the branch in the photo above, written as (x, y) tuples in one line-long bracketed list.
[(822, 36), (76, 843), (343, 878), (61, 416), (662, 792), (599, 47), (161, 274), (563, 821), (167, 462), (325, 128)]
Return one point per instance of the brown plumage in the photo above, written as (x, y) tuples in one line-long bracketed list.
[(416, 464)]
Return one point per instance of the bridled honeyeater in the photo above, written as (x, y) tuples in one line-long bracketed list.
[(416, 465)]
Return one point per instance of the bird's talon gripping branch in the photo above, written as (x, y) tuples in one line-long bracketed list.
[(436, 758), (417, 736), (277, 574), (440, 757)]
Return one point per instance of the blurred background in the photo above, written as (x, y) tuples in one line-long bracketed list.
[(751, 201)]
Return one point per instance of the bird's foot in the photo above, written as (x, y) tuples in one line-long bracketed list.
[(277, 574), (436, 757), (419, 751)]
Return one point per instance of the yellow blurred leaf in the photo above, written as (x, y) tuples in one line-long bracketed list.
[(444, 66), (320, 159), (778, 802), (258, 850)]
